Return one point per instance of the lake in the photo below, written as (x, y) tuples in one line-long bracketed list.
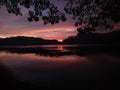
[(87, 67)]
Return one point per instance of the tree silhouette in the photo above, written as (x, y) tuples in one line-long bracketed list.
[(94, 13), (90, 13)]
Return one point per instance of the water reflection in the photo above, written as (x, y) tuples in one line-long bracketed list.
[(62, 50), (58, 67)]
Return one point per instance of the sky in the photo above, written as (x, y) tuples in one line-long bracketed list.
[(11, 25)]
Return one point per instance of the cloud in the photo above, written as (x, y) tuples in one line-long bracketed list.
[(11, 25)]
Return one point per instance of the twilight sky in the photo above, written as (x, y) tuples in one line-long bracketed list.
[(11, 25)]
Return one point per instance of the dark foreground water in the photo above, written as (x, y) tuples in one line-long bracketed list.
[(62, 66)]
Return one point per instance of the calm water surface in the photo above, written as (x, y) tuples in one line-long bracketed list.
[(64, 65)]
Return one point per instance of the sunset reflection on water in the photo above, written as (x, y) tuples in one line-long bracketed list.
[(60, 48), (62, 65), (13, 59)]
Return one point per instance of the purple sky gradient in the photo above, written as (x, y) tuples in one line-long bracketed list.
[(11, 25)]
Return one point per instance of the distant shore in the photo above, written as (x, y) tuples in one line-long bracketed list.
[(80, 39)]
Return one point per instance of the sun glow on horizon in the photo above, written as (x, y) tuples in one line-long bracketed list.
[(60, 40), (2, 37), (45, 33)]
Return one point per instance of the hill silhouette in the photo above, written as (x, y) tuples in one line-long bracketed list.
[(94, 38), (81, 38), (22, 40)]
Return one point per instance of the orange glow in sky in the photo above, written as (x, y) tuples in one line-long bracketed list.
[(60, 40), (11, 25)]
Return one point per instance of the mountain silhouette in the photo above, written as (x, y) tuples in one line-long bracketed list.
[(94, 38), (22, 40), (81, 38)]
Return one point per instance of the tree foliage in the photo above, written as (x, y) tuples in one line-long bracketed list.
[(94, 13), (36, 8), (88, 13)]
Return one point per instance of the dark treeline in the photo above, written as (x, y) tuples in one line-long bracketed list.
[(77, 50), (94, 38), (22, 40), (81, 38)]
